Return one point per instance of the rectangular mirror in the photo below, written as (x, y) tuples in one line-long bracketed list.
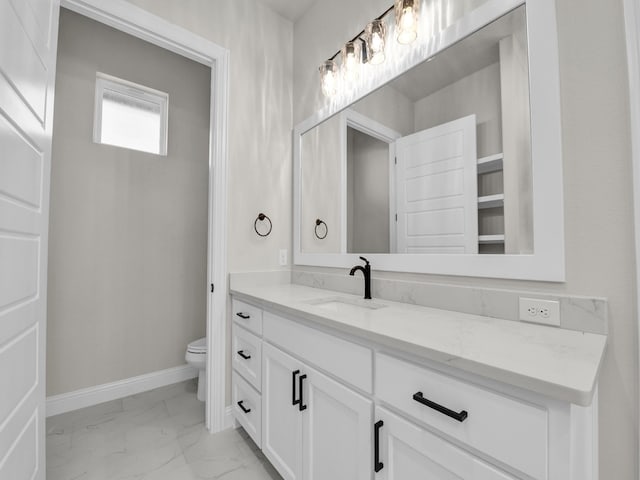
[(433, 171)]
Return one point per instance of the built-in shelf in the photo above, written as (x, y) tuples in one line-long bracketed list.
[(491, 201), (490, 239), (492, 163)]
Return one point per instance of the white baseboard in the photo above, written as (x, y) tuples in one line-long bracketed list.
[(87, 397)]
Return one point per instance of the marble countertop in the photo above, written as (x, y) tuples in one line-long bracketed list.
[(558, 363)]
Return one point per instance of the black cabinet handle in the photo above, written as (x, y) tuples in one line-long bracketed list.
[(243, 355), (242, 407), (459, 416), (243, 315), (294, 400), (377, 464), (302, 406)]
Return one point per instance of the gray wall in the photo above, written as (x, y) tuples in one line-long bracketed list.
[(128, 230), (600, 259), (368, 199)]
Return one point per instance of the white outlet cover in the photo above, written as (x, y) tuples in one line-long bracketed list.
[(282, 257), (553, 306)]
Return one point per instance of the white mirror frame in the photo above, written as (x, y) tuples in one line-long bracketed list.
[(547, 261)]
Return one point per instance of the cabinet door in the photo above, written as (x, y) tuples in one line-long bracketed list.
[(281, 420), (408, 452), (337, 430)]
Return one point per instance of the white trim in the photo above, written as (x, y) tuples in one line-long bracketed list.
[(135, 21), (87, 397), (548, 262), (229, 419), (632, 28)]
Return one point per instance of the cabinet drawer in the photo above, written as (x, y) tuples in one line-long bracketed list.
[(507, 429), (247, 356), (247, 407), (248, 316), (348, 361), (409, 451)]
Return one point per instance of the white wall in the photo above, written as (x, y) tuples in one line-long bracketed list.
[(321, 149), (597, 185), (128, 230), (479, 94)]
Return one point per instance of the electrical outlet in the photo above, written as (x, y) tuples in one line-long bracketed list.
[(536, 310), (283, 257)]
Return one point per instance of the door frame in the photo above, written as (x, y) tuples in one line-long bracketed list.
[(352, 119), (139, 23)]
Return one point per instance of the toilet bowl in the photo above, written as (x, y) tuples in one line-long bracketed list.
[(196, 356)]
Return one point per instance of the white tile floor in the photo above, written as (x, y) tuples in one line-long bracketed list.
[(156, 435)]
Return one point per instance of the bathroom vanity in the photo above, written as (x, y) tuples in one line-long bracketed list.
[(331, 386)]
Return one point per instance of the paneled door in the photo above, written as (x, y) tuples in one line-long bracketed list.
[(28, 41), (436, 189), (337, 426), (281, 414)]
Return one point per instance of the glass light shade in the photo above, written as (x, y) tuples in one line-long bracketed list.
[(351, 61), (329, 78), (374, 36), (407, 20)]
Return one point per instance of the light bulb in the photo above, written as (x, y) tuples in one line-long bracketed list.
[(407, 20), (351, 61), (374, 36), (329, 78)]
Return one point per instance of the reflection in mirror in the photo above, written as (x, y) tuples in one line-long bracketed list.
[(437, 161)]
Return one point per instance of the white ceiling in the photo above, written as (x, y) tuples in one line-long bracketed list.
[(291, 9)]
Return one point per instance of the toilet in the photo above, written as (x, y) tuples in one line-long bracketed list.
[(196, 356)]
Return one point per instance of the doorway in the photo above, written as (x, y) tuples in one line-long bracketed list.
[(210, 287)]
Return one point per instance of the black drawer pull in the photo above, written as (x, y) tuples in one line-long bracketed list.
[(459, 416), (377, 464), (294, 400), (302, 406), (243, 408), (243, 315), (244, 355)]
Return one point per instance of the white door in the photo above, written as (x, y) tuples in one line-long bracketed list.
[(408, 452), (436, 189), (281, 415), (28, 39), (337, 430)]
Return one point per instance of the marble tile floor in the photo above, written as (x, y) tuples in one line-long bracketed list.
[(155, 435)]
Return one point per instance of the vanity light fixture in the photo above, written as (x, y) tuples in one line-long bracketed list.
[(374, 37), (368, 46), (407, 20), (351, 61), (329, 78)]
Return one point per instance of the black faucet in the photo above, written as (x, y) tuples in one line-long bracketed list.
[(366, 271)]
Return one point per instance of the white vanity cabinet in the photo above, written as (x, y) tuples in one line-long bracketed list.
[(340, 407), (246, 377), (313, 427)]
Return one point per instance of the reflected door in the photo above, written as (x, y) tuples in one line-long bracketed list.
[(436, 189)]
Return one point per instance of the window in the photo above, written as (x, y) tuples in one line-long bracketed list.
[(130, 115)]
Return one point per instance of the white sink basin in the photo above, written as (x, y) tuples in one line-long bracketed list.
[(345, 304)]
